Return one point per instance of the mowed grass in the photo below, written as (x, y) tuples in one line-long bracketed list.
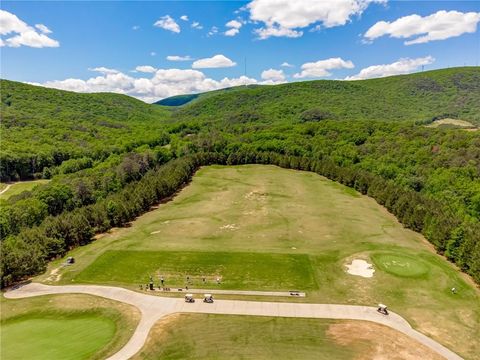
[(70, 327), (264, 210), (253, 271), (198, 336), (55, 337), (19, 187)]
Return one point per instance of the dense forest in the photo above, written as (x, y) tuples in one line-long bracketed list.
[(369, 135)]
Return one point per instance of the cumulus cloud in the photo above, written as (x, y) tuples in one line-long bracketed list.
[(286, 64), (167, 23), (178, 58), (272, 77), (145, 69), (281, 17), (321, 68), (234, 27), (217, 61), (438, 26), (196, 25), (162, 83), (402, 66), (22, 34), (184, 17)]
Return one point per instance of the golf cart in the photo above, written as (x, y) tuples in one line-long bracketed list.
[(189, 298), (382, 309), (208, 298)]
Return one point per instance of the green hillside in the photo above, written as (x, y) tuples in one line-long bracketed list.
[(42, 127), (452, 93), (111, 157)]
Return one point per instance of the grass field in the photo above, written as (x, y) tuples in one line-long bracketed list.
[(66, 327), (266, 228), (196, 336), (19, 187)]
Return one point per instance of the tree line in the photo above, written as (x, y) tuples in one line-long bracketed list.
[(28, 252)]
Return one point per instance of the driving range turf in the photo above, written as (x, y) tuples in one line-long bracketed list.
[(266, 228)]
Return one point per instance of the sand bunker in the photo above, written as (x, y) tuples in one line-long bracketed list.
[(360, 268)]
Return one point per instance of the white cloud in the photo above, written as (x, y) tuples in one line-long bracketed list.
[(43, 28), (167, 23), (22, 34), (321, 68), (438, 26), (104, 70), (217, 61), (286, 64), (145, 69), (178, 58), (135, 27), (213, 31), (272, 76), (234, 27), (281, 17), (276, 31), (234, 24), (231, 32), (163, 83), (402, 66), (196, 25), (184, 17), (153, 53)]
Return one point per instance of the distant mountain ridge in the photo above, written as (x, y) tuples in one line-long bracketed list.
[(424, 96)]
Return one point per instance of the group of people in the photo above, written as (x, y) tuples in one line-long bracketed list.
[(161, 286)]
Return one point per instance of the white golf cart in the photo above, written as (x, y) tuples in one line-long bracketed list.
[(208, 298), (382, 309), (189, 298)]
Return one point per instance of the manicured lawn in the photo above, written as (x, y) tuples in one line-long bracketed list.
[(19, 187), (266, 228), (252, 271), (64, 327), (55, 337)]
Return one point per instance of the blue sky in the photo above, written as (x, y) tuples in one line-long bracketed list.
[(331, 40)]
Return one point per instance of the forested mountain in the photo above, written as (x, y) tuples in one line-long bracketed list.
[(453, 93), (43, 127), (369, 135)]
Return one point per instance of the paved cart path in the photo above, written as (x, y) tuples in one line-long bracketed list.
[(6, 189), (154, 308)]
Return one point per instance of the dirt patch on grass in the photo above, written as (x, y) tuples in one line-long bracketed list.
[(383, 343)]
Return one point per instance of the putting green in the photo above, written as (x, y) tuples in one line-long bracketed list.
[(400, 265), (50, 337)]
